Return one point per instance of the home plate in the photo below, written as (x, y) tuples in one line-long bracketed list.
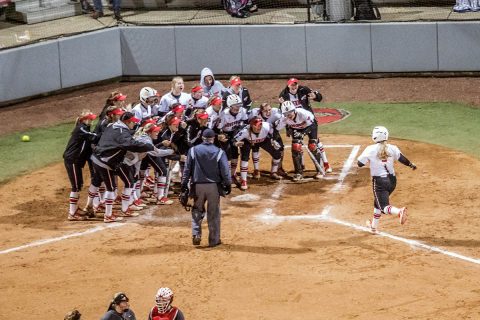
[(246, 198)]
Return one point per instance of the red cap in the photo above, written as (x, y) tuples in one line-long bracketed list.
[(196, 88), (129, 117), (120, 97), (235, 81), (89, 116), (203, 115), (217, 101), (178, 108), (117, 111), (174, 121), (154, 129), (292, 81), (144, 123)]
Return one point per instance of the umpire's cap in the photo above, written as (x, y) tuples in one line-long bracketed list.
[(208, 133)]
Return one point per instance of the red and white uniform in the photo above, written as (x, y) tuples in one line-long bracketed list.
[(252, 137), (142, 112), (213, 118), (193, 103), (302, 120), (168, 99), (173, 314), (229, 122), (274, 116)]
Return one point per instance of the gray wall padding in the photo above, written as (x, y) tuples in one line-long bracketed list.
[(90, 57), (216, 47), (459, 46), (274, 49), (29, 71), (339, 48), (404, 47), (148, 51)]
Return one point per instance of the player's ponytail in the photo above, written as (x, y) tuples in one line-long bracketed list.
[(382, 153)]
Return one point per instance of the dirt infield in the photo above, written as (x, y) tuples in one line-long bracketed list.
[(295, 251)]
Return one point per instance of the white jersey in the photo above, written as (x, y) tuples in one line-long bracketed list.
[(142, 112), (380, 168), (168, 99), (213, 118), (197, 104), (229, 122), (274, 116), (302, 120), (252, 137), (294, 98)]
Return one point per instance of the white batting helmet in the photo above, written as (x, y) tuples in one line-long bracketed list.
[(164, 298), (233, 99), (379, 134), (287, 106), (147, 92)]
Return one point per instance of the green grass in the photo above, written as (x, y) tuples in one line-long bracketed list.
[(452, 125), (46, 146)]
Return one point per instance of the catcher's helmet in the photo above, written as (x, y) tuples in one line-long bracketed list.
[(147, 92), (233, 100), (164, 298), (287, 106), (379, 134)]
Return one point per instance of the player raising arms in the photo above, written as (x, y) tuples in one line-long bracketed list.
[(237, 88), (381, 157), (258, 133), (301, 96), (302, 123)]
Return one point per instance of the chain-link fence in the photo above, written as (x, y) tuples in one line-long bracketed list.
[(26, 21)]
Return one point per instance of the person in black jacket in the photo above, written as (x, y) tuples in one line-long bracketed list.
[(110, 152), (301, 96), (77, 153), (195, 128), (237, 88)]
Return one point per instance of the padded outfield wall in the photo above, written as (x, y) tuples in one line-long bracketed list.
[(246, 49)]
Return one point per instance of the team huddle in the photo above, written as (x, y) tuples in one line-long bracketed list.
[(143, 143)]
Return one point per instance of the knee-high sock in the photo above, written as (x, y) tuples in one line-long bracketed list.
[(73, 202), (391, 210), (275, 164), (126, 198), (155, 185), (322, 152), (137, 192), (109, 197), (161, 186), (244, 170), (101, 193), (256, 160), (133, 196), (376, 218), (92, 193)]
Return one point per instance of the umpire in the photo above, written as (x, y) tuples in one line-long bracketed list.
[(208, 172)]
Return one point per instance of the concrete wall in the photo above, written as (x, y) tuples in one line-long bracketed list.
[(245, 49)]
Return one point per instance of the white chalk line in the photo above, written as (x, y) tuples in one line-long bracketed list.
[(148, 216), (346, 169), (97, 228)]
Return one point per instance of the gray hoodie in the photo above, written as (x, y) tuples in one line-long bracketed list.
[(214, 90)]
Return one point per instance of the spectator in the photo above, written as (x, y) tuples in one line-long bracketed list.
[(119, 308), (164, 309), (99, 9)]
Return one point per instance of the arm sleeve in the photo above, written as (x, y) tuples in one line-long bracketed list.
[(242, 134), (87, 135), (360, 164), (187, 171), (403, 160)]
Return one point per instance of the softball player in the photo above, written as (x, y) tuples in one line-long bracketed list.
[(163, 310), (176, 95), (143, 109), (232, 119), (300, 123), (77, 153), (257, 134), (381, 157), (237, 88), (211, 87), (196, 101), (299, 95), (214, 112)]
